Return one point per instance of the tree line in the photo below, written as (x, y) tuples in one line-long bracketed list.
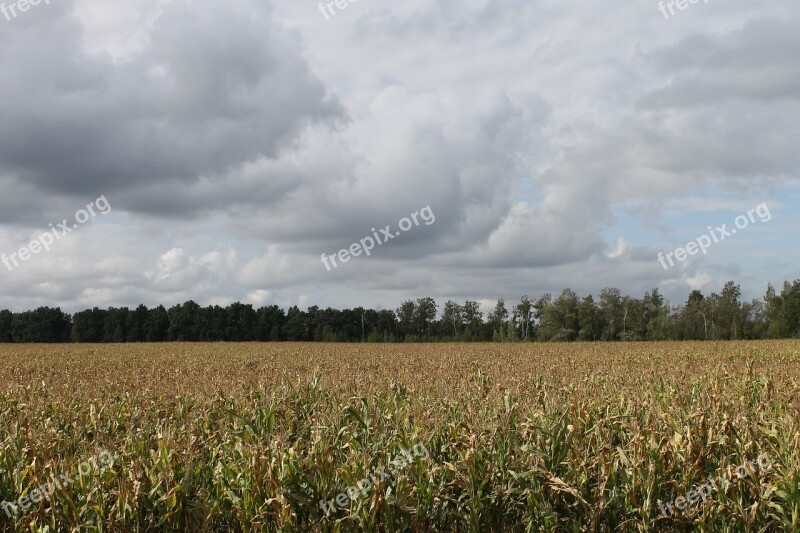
[(566, 317)]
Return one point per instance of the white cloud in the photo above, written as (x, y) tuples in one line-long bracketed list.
[(239, 141)]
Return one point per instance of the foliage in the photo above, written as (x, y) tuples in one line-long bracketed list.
[(567, 318)]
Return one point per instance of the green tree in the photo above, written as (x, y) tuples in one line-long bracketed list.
[(185, 323), (452, 318), (728, 312), (242, 322), (560, 320), (114, 325), (298, 327), (156, 326), (656, 313), (6, 319), (425, 316), (89, 325), (498, 320), (135, 324), (44, 324), (271, 322), (524, 312), (405, 319), (790, 309), (473, 320), (589, 320), (611, 308)]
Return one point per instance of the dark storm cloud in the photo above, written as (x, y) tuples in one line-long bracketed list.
[(215, 87)]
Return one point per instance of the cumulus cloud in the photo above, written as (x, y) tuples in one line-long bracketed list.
[(238, 141), (217, 88)]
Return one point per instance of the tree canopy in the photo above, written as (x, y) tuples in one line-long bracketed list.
[(567, 317)]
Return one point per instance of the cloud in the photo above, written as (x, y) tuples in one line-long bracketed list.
[(238, 141), (217, 87)]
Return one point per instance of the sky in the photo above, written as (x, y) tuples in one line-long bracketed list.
[(229, 150)]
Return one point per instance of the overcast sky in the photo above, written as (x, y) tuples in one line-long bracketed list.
[(558, 143)]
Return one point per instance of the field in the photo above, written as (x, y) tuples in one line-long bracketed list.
[(516, 437)]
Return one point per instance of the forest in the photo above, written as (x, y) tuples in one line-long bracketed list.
[(565, 318)]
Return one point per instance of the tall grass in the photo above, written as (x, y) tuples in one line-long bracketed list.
[(587, 438)]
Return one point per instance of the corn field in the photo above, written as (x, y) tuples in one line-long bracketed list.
[(520, 437)]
